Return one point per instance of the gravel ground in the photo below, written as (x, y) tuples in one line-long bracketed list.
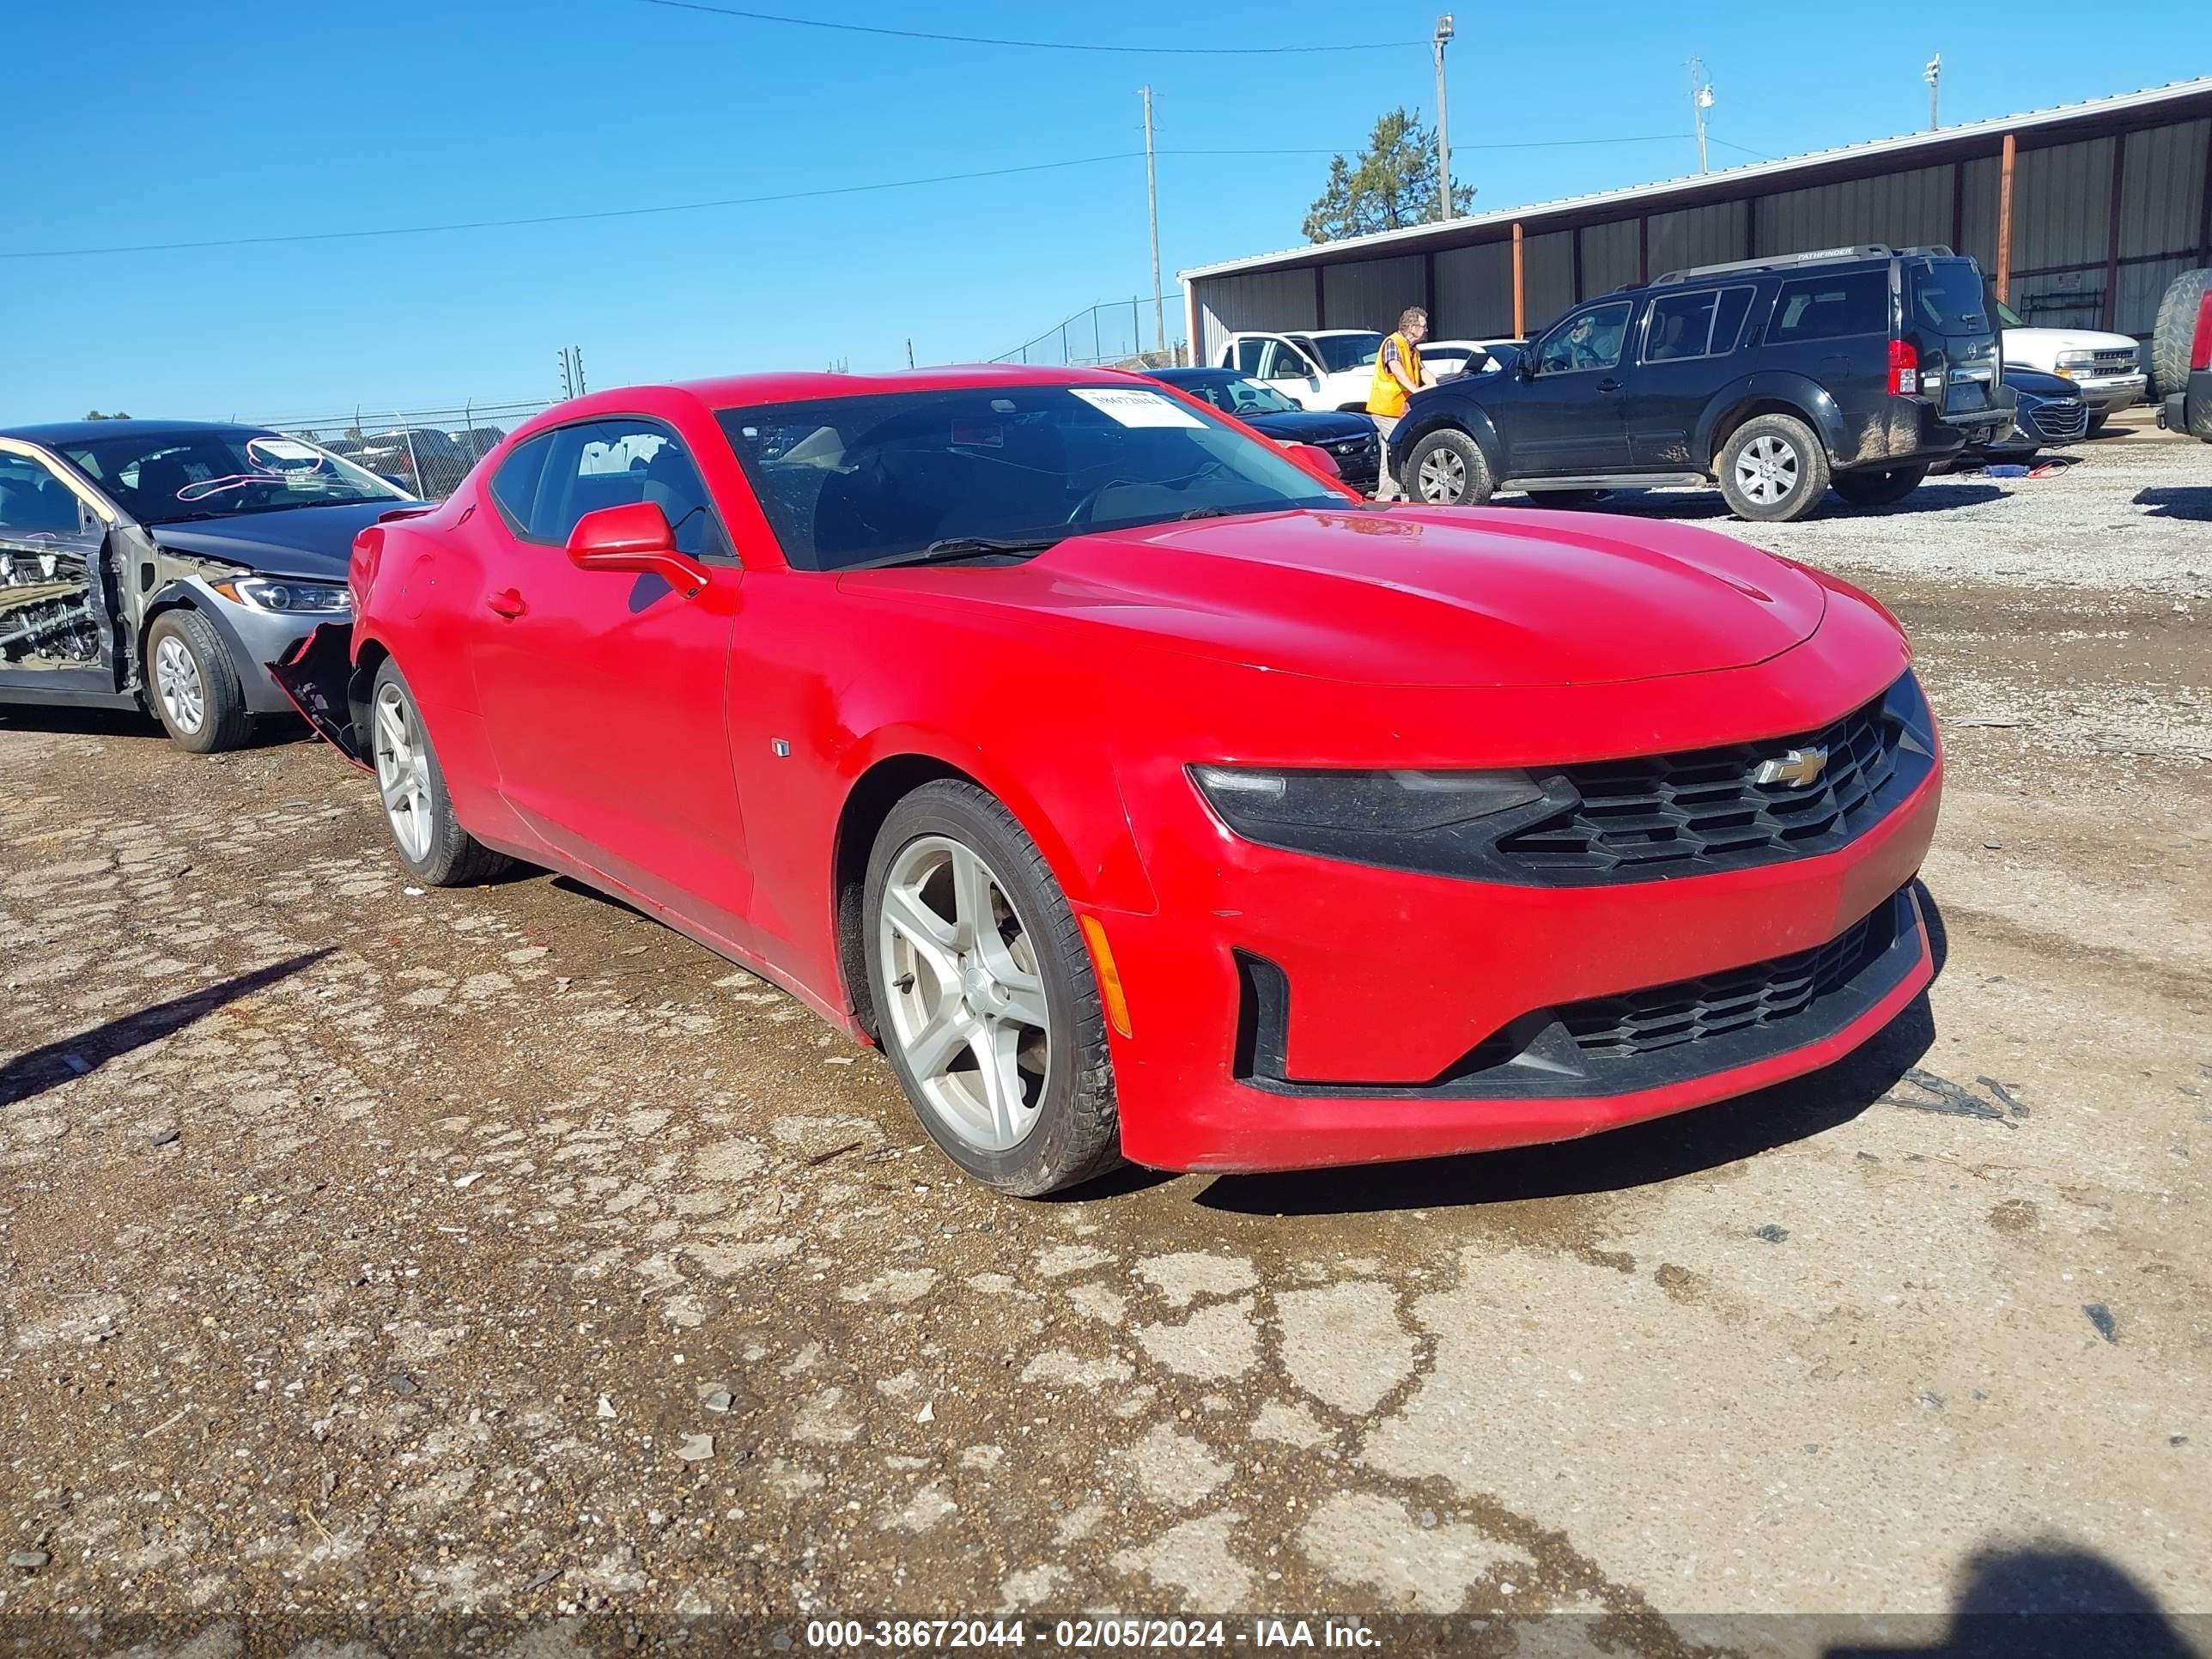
[(495, 1258)]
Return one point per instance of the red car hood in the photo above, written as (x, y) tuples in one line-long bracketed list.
[(1437, 597)]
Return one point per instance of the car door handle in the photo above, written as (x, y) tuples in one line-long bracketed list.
[(1608, 386), (507, 603)]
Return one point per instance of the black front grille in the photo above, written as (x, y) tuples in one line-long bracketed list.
[(1705, 810), (2056, 422), (1661, 1016)]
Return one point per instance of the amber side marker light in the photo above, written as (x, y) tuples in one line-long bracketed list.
[(1109, 977)]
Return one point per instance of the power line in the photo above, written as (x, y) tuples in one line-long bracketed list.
[(1027, 45), (568, 218), (587, 216)]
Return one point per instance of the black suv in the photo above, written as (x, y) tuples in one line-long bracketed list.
[(1856, 367)]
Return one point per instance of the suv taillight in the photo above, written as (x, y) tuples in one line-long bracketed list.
[(2199, 348), (1904, 368)]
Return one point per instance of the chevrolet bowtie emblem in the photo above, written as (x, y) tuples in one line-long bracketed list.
[(1800, 768)]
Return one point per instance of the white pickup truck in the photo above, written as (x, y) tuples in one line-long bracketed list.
[(1314, 368), (2106, 367)]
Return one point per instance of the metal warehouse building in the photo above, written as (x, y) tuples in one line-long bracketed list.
[(2082, 214)]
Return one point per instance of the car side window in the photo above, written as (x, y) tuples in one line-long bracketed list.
[(614, 463), (1704, 324), (1830, 307), (1589, 339), (1249, 353), (1286, 364), (35, 505), (515, 485)]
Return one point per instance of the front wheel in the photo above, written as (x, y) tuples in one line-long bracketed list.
[(1883, 488), (194, 685), (2097, 424), (417, 807), (984, 997), (1773, 469), (1447, 468)]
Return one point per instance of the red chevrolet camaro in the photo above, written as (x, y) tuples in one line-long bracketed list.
[(1142, 793)]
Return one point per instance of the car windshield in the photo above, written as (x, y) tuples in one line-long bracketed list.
[(1946, 297), (164, 477), (1340, 352), (1239, 397), (886, 478)]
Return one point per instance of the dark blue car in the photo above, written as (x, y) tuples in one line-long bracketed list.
[(1350, 440), (163, 564)]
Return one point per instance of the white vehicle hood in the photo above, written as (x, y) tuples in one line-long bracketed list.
[(2055, 340)]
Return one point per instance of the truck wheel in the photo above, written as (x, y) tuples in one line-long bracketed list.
[(2177, 329), (1446, 469), (1773, 469), (2096, 424), (193, 685), (1885, 488)]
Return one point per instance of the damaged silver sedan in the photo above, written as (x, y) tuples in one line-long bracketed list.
[(162, 564)]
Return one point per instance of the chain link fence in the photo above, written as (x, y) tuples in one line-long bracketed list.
[(1112, 334), (426, 452)]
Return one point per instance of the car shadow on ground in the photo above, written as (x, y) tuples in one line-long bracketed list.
[(1639, 1155), (2048, 1601), (270, 731), (40, 1069), (2191, 501), (1694, 505)]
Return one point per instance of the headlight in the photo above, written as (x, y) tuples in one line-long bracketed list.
[(2073, 361), (274, 593), (1262, 805)]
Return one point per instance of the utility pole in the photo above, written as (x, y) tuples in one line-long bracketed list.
[(909, 351), (1701, 99), (1932, 74), (1444, 123), (1152, 208)]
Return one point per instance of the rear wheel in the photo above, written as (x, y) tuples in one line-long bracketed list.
[(984, 997), (2176, 332), (1772, 470), (1885, 488), (417, 809), (193, 685), (1447, 468)]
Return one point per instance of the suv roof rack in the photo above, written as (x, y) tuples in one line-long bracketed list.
[(1790, 261)]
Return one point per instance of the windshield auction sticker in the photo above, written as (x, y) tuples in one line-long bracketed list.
[(1132, 406)]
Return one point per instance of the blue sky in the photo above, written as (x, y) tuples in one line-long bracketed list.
[(128, 125)]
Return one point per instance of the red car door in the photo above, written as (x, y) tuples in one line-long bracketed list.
[(603, 692)]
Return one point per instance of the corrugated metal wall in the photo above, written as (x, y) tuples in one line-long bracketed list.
[(1372, 293), (1899, 208), (1609, 256), (1474, 292), (1699, 236), (2061, 242), (1253, 300)]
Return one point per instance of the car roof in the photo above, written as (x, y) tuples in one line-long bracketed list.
[(56, 433)]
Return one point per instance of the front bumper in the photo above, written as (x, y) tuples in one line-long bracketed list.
[(1353, 1039), (257, 638), (2104, 394)]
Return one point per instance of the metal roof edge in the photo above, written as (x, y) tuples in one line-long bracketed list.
[(1903, 144)]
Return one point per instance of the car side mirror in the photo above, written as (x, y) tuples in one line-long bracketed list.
[(1314, 458), (635, 536)]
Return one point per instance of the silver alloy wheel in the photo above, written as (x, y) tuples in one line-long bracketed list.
[(1766, 469), (1442, 477), (176, 682), (968, 1008), (403, 772)]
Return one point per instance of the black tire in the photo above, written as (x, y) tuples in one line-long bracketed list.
[(2096, 424), (1075, 1133), (2175, 329), (1450, 463), (451, 856), (205, 711), (1566, 499), (1789, 442), (1884, 487)]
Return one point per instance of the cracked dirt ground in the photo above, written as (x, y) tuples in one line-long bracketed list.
[(497, 1253)]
